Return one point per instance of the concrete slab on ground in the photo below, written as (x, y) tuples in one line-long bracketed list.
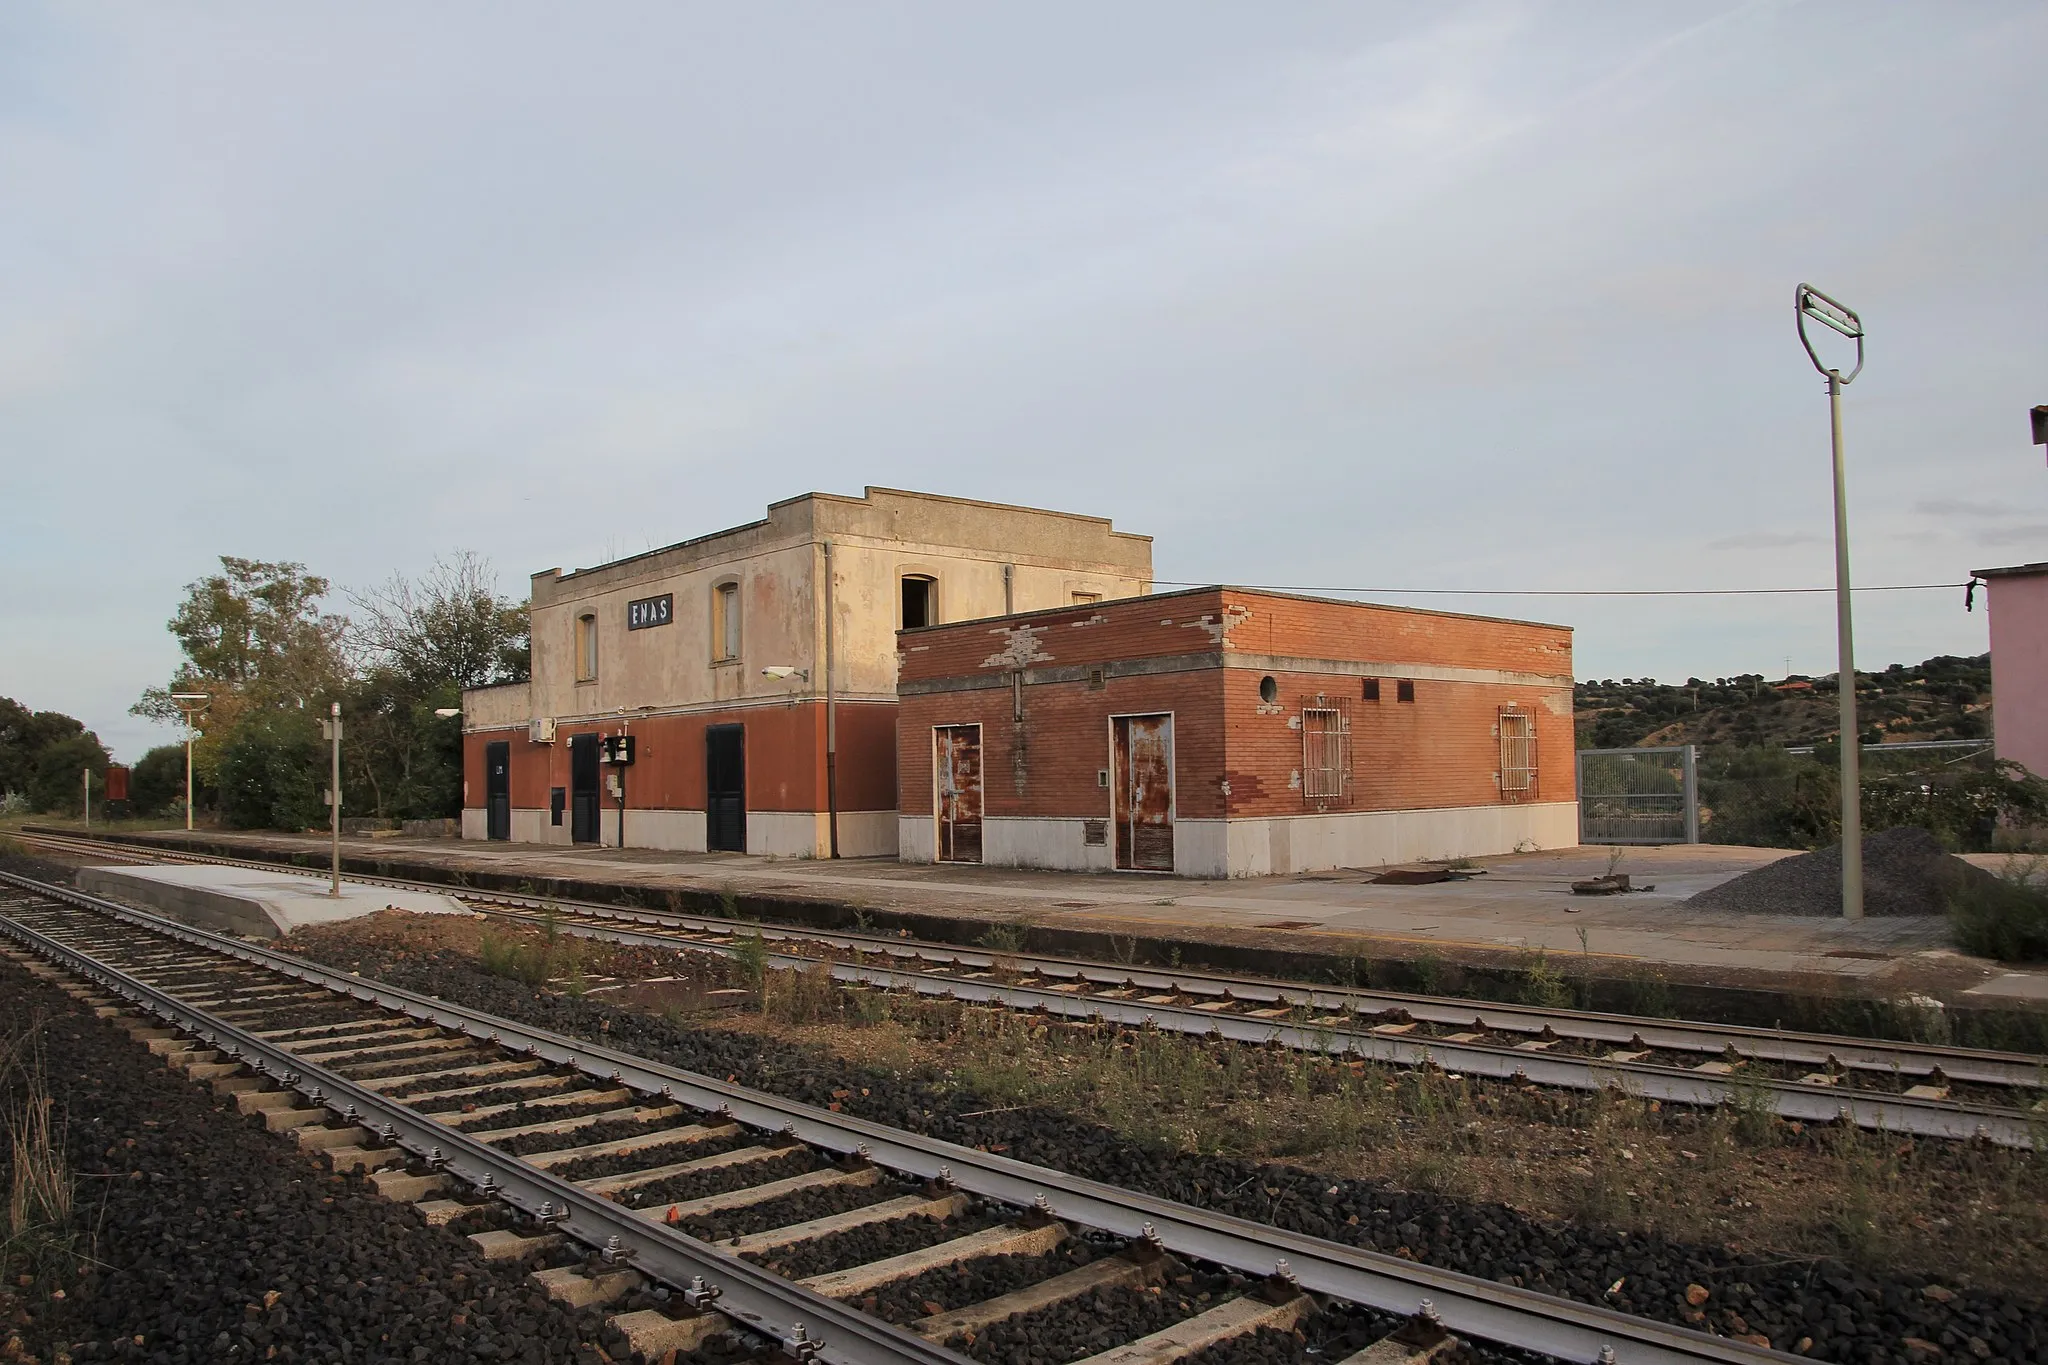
[(252, 901)]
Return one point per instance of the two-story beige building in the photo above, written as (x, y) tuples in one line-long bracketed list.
[(755, 671)]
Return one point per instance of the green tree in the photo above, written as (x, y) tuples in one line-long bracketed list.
[(24, 735), (270, 768), (420, 643), (157, 782), (448, 627), (58, 785), (252, 634), (255, 641)]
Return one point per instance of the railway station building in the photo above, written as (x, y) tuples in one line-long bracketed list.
[(1228, 732), (753, 672)]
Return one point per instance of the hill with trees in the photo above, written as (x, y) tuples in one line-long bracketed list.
[(1945, 697)]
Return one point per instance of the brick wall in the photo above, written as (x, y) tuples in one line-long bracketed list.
[(1237, 755), (785, 759)]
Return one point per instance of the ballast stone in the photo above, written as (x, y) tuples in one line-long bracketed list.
[(255, 902)]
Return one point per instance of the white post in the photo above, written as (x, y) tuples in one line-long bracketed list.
[(334, 798), (188, 774), (88, 798), (1845, 679)]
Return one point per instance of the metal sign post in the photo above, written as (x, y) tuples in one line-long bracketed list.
[(331, 730), (1811, 303)]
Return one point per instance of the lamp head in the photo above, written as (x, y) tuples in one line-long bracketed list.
[(779, 671)]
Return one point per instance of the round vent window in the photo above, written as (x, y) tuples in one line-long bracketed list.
[(1269, 691)]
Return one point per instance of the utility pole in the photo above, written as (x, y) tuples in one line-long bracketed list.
[(191, 712), (332, 731), (1811, 303)]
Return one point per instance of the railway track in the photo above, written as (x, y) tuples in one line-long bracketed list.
[(719, 1207), (1922, 1089)]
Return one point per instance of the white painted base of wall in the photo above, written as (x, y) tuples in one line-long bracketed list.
[(476, 822), (1275, 846), (1309, 843), (532, 827), (679, 831), (917, 839), (866, 834), (1017, 841)]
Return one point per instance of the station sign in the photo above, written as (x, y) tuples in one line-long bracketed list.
[(651, 611)]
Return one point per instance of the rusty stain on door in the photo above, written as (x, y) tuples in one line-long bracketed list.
[(1144, 792), (957, 759)]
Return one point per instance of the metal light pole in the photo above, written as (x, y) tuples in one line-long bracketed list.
[(332, 727), (1811, 303), (201, 698)]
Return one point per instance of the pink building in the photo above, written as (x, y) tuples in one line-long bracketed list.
[(2017, 599)]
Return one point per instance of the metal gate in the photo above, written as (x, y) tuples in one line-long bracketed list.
[(956, 757), (1143, 783), (1639, 796)]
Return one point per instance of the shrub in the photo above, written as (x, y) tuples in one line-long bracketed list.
[(272, 772), (158, 782), (2004, 917)]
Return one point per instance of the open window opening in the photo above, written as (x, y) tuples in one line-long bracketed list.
[(920, 601)]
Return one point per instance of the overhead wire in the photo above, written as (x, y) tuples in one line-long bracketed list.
[(1566, 592)]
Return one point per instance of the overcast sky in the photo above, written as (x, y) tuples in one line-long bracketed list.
[(1344, 295)]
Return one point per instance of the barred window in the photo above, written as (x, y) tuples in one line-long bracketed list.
[(1325, 751), (1517, 754)]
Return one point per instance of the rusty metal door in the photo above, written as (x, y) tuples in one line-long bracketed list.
[(956, 756), (1144, 792)]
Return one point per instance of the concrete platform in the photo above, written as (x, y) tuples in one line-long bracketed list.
[(1312, 924), (252, 902)]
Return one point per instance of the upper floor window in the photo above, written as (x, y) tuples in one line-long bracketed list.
[(586, 648), (920, 601), (725, 621)]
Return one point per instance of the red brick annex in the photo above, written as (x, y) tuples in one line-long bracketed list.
[(1227, 732)]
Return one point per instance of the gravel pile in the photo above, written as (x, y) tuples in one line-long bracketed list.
[(1847, 1315), (1906, 871)]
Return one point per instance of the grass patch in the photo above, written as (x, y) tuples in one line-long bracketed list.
[(39, 1235)]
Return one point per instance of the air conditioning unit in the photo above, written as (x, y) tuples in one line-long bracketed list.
[(541, 730)]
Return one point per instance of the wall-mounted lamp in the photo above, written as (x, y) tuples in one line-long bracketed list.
[(779, 671)]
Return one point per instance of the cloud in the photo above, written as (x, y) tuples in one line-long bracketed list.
[(1957, 507), (2035, 534), (1767, 540), (1349, 291)]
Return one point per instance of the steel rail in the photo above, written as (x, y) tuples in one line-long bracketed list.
[(1465, 1304), (2008, 1126), (751, 1297), (1646, 1080)]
